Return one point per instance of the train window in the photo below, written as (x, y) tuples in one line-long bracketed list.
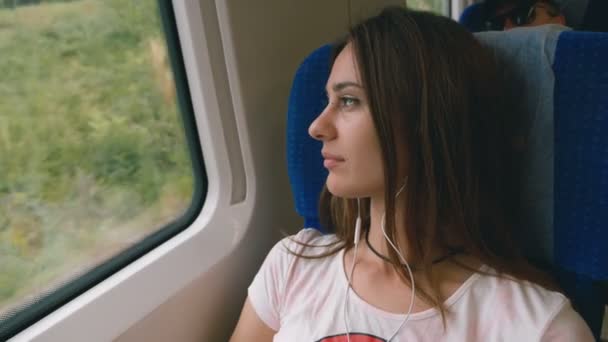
[(436, 6), (97, 148)]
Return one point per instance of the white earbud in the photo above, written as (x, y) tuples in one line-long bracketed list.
[(358, 222)]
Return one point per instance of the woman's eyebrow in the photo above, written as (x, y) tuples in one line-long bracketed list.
[(342, 85)]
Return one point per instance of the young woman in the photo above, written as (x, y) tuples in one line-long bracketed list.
[(415, 138)]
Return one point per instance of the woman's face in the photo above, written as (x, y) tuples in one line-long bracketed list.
[(351, 148)]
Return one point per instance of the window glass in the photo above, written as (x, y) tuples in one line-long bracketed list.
[(93, 154), (436, 6)]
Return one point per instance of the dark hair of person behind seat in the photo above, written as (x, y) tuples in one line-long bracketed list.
[(492, 6), (435, 92)]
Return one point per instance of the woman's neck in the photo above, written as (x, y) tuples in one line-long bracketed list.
[(378, 241), (376, 236)]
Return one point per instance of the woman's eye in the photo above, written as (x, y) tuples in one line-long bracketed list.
[(348, 101)]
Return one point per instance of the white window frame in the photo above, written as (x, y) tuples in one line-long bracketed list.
[(102, 313)]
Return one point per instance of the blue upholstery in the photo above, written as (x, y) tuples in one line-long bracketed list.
[(581, 153), (473, 18), (580, 118), (304, 160), (581, 170)]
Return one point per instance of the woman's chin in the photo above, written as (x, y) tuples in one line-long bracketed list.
[(341, 189)]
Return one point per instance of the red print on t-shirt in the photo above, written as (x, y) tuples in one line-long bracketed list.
[(354, 337)]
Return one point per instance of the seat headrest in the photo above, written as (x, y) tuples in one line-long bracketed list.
[(304, 161), (526, 56), (473, 18)]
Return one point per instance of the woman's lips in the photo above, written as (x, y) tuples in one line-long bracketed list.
[(331, 160), (331, 163)]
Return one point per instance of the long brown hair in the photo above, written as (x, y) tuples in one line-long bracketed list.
[(437, 94)]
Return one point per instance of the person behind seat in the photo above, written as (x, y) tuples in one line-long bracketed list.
[(508, 14), (418, 200)]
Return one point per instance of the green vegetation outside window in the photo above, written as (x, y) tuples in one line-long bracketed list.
[(97, 151), (436, 6)]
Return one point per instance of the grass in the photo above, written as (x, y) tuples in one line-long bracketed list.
[(92, 151), (436, 6)]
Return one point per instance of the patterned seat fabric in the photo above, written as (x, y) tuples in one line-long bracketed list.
[(581, 170), (304, 160)]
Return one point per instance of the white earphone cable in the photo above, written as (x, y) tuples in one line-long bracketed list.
[(352, 269), (409, 270)]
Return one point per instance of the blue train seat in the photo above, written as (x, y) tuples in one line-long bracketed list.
[(473, 17), (304, 161), (585, 15), (569, 232), (581, 170)]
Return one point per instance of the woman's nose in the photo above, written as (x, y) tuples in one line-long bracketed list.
[(314, 130), (321, 129)]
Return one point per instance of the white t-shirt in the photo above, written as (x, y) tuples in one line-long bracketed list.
[(303, 300)]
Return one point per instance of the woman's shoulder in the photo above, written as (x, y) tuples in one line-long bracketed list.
[(549, 312), (307, 242), (291, 252), (533, 305), (308, 235), (304, 259), (525, 310), (271, 291), (522, 293), (311, 237)]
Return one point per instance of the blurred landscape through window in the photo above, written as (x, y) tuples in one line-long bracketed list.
[(93, 154)]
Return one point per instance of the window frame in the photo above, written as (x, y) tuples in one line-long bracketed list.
[(207, 233)]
